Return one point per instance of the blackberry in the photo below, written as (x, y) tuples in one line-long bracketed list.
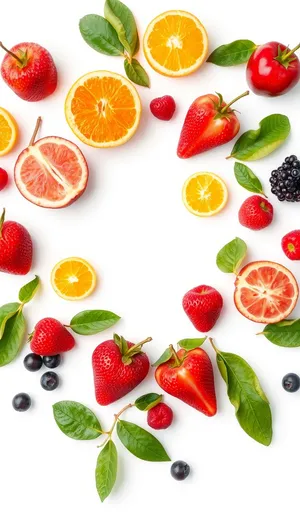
[(285, 180)]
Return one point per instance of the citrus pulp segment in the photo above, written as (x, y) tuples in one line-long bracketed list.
[(73, 278), (8, 132), (204, 194)]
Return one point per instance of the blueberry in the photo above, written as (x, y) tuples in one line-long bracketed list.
[(180, 470), (291, 382), (21, 402), (52, 361), (49, 381), (33, 362)]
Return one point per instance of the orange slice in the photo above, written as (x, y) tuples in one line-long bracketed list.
[(175, 43), (204, 194), (73, 278), (103, 109), (265, 292), (8, 132)]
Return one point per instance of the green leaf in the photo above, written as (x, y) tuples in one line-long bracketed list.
[(252, 408), (247, 178), (106, 470), (256, 144), (28, 291), (136, 72), (166, 356), (141, 443), (231, 256), (6, 312), (76, 420), (285, 333), (100, 35), (148, 401), (12, 339), (121, 343), (237, 52), (91, 322), (122, 20), (190, 344)]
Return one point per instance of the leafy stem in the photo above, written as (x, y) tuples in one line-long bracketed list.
[(116, 418), (225, 108)]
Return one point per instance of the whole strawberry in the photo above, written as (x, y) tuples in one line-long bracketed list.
[(50, 337), (291, 245), (256, 213), (29, 70), (203, 306), (15, 247), (119, 366), (160, 416), (163, 108)]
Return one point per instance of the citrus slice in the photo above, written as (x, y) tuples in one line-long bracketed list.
[(8, 132), (265, 292), (204, 194), (73, 278), (103, 109), (175, 43)]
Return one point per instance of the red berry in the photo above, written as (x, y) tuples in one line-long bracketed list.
[(15, 247), (163, 107), (256, 213), (160, 416), (50, 337), (291, 245), (203, 306), (3, 178)]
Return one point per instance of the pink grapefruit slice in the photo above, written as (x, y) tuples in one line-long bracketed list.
[(51, 173)]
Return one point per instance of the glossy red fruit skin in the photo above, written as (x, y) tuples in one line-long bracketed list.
[(15, 249), (112, 378), (192, 381), (3, 178), (37, 79), (203, 130), (267, 76), (160, 417), (256, 213), (50, 337), (203, 305), (163, 108), (291, 245)]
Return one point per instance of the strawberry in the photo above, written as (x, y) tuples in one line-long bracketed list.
[(119, 366), (209, 122), (163, 108), (189, 377), (291, 245), (256, 213), (15, 247), (203, 306), (160, 416), (29, 70), (3, 178), (50, 337)]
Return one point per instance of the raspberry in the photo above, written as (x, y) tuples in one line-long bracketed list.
[(160, 416), (163, 108)]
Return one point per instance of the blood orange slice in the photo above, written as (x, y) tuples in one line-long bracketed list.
[(265, 292), (51, 173)]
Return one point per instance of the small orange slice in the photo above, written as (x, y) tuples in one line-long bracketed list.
[(73, 278), (204, 194), (175, 43), (8, 132), (103, 109)]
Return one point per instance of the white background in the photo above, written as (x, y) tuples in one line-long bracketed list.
[(148, 251)]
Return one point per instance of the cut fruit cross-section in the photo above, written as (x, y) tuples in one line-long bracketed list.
[(8, 132), (73, 278), (265, 292), (204, 194)]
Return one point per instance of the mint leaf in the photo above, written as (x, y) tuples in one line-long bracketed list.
[(91, 322), (100, 35), (247, 179), (28, 291), (285, 333), (106, 470), (237, 52), (166, 356), (122, 20), (76, 420), (12, 338), (140, 443), (256, 144), (6, 312), (231, 256), (148, 401), (136, 72), (190, 344)]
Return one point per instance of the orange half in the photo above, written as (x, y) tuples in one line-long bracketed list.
[(175, 43), (103, 109), (8, 132), (204, 194), (73, 278)]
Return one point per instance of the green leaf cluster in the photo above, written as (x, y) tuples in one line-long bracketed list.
[(115, 35)]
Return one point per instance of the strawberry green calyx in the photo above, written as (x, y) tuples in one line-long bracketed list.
[(2, 219), (227, 109), (128, 353), (174, 356), (286, 57), (22, 58)]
